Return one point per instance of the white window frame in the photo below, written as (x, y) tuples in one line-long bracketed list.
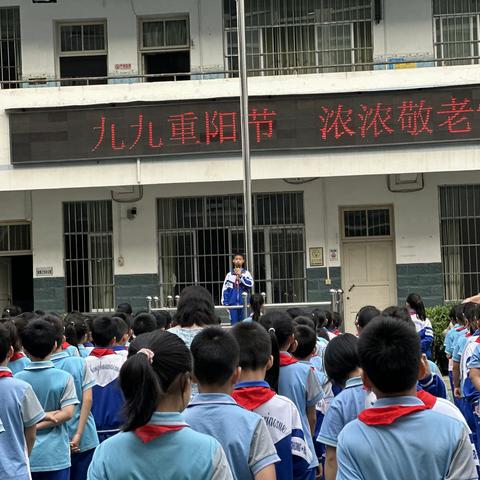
[(174, 48), (83, 53), (17, 253)]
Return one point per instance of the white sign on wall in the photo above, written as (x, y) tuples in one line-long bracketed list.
[(44, 272)]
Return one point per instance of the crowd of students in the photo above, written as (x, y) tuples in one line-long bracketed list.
[(281, 395)]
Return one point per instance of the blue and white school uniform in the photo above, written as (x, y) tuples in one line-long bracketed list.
[(472, 395), (284, 425), (107, 398), (121, 350), (83, 350), (55, 390), (344, 408), (232, 291), (83, 380), (425, 332), (19, 363), (299, 382), (181, 455), (383, 452), (243, 434), (20, 409)]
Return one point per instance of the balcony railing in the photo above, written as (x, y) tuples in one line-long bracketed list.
[(208, 75)]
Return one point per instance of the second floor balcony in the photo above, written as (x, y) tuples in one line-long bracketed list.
[(283, 38)]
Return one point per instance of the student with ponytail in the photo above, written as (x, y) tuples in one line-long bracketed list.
[(155, 441), (257, 301), (76, 333), (297, 380)]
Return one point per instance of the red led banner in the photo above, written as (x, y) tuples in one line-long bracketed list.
[(284, 123)]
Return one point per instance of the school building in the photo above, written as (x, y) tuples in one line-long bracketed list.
[(120, 165)]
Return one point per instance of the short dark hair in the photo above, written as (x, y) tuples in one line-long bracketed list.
[(76, 328), (295, 312), (399, 313), (216, 354), (104, 331), (471, 311), (307, 321), (125, 308), (11, 311), (255, 345), (458, 312), (337, 320), (122, 327), (366, 314), (389, 353), (57, 324), (341, 358), (163, 319), (144, 323), (239, 255), (9, 325), (306, 341), (321, 318), (38, 338), (416, 303), (5, 342), (195, 307)]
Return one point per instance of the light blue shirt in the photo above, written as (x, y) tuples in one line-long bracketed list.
[(450, 337), (84, 380), (20, 409), (55, 390), (18, 365), (301, 385), (243, 434), (344, 408), (458, 346), (423, 445), (182, 455)]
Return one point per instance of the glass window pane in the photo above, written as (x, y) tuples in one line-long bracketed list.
[(94, 37), (176, 33), (19, 237), (4, 238), (153, 34), (355, 223), (71, 38), (379, 222)]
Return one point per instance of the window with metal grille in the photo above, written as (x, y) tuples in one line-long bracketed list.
[(302, 36), (15, 239), (199, 235), (89, 256), (460, 240), (367, 222), (82, 52), (10, 46), (165, 47), (456, 31)]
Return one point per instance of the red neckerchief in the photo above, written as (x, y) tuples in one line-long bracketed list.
[(147, 433), (387, 415), (101, 352), (5, 374), (468, 334), (65, 345), (252, 397), (461, 329), (17, 356), (477, 340), (427, 398), (286, 359)]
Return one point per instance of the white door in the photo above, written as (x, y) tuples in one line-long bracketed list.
[(368, 260), (368, 271), (5, 282)]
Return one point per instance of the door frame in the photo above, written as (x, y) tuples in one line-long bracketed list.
[(9, 278), (380, 238)]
